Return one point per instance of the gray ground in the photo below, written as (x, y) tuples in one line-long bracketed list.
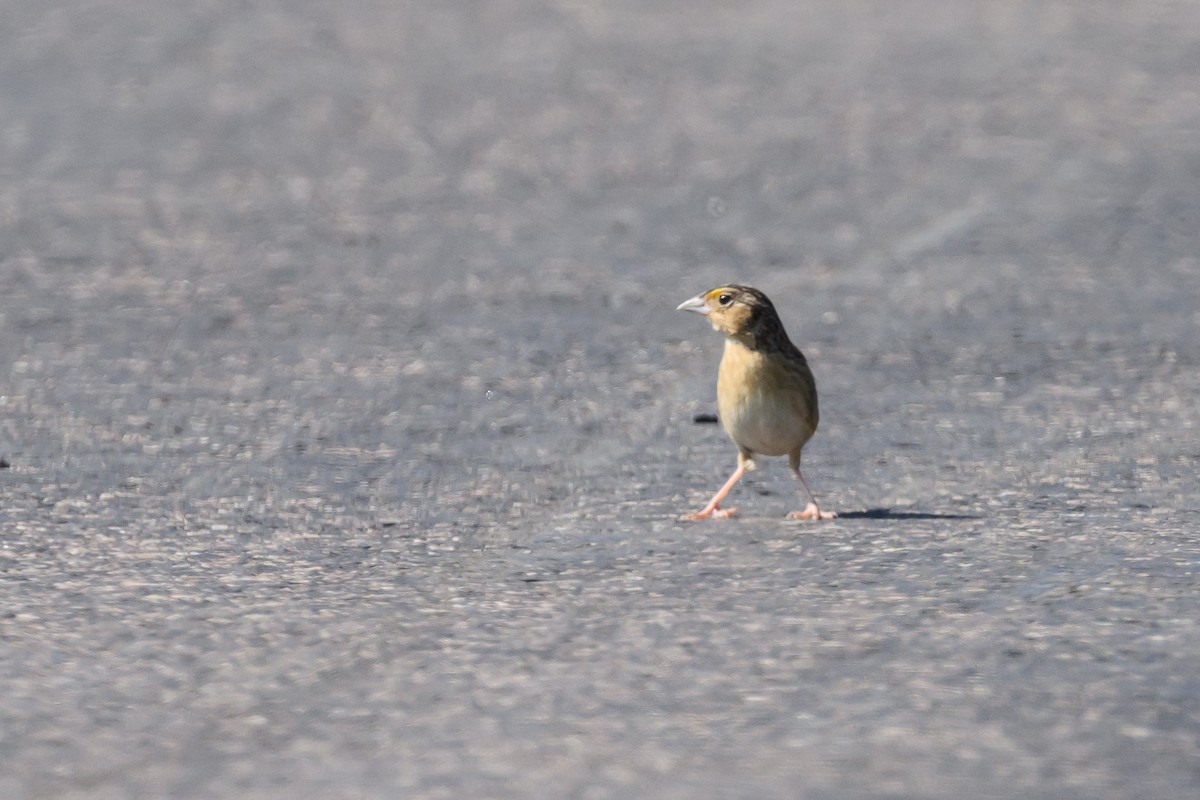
[(347, 418)]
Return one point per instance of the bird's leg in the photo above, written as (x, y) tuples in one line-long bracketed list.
[(811, 511), (713, 509)]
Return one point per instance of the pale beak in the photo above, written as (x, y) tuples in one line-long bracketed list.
[(696, 304)]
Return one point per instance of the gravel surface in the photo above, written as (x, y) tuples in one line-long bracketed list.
[(346, 419)]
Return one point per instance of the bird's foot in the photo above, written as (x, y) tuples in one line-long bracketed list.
[(715, 512), (812, 512)]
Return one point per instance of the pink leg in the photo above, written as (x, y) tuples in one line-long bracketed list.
[(811, 511), (713, 509)]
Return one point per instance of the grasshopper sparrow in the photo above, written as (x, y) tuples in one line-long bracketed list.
[(766, 394)]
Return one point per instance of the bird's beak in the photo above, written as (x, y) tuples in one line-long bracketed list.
[(696, 304)]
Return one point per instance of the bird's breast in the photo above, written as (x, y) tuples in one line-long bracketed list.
[(763, 404)]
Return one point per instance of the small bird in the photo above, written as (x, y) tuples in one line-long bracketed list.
[(766, 394)]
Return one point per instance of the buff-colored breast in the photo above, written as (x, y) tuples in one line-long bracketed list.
[(767, 404)]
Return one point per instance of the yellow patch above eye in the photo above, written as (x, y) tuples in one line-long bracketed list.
[(715, 293)]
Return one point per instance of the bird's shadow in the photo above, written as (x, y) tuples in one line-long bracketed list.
[(887, 513)]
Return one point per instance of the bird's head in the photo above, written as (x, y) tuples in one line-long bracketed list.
[(739, 312)]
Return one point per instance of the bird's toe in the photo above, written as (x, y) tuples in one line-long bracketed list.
[(812, 512)]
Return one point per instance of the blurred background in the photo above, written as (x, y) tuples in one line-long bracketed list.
[(345, 417)]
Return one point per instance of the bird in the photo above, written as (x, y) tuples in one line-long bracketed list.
[(766, 393)]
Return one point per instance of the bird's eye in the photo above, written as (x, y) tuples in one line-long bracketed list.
[(725, 299)]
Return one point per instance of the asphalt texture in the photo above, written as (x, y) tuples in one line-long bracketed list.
[(346, 419)]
